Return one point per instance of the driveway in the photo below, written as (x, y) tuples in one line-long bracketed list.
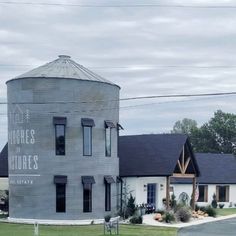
[(223, 228)]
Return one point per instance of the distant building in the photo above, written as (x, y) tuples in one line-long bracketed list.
[(62, 146)]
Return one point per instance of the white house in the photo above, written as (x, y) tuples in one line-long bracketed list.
[(149, 162), (218, 176)]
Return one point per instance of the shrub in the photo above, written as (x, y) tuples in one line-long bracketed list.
[(136, 220), (183, 214), (214, 201), (221, 206), (230, 204), (211, 211), (179, 206), (197, 207), (202, 208), (131, 208), (168, 217), (107, 218), (173, 202)]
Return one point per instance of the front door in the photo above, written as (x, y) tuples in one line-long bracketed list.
[(151, 195)]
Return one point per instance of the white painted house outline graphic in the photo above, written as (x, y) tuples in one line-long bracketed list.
[(17, 116)]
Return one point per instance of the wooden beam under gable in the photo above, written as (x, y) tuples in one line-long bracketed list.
[(180, 167), (186, 164), (183, 175)]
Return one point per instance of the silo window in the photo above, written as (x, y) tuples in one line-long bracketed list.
[(60, 182), (108, 126), (108, 180), (60, 139), (60, 129), (87, 182), (87, 135)]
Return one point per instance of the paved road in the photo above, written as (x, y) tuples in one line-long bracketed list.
[(223, 228)]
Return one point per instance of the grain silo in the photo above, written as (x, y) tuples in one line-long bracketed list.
[(62, 143)]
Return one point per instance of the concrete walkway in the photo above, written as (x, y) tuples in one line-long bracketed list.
[(148, 220)]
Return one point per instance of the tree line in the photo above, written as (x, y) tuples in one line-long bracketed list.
[(218, 135)]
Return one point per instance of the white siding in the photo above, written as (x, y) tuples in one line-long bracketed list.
[(3, 183), (139, 190), (179, 188)]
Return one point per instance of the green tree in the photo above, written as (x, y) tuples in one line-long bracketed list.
[(218, 135), (185, 126)]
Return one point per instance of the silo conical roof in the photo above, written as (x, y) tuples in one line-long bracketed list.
[(63, 67)]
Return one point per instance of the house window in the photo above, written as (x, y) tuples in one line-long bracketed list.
[(107, 197), (203, 193), (222, 193), (60, 130), (108, 180), (151, 194), (60, 182), (87, 136), (108, 126), (87, 181)]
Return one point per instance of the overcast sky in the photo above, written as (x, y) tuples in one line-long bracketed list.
[(149, 50)]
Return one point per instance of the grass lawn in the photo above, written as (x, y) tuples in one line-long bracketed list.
[(225, 211), (7, 229)]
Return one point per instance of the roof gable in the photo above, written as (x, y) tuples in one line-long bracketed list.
[(150, 155), (215, 169)]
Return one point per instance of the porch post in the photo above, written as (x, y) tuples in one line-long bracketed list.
[(167, 192), (194, 192)]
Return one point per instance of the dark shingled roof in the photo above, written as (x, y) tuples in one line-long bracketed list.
[(215, 169), (151, 154), (4, 162)]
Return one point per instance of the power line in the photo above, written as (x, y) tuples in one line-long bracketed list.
[(116, 108), (178, 95), (128, 98), (120, 5)]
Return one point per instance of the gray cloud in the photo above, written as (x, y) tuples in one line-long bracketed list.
[(132, 44)]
